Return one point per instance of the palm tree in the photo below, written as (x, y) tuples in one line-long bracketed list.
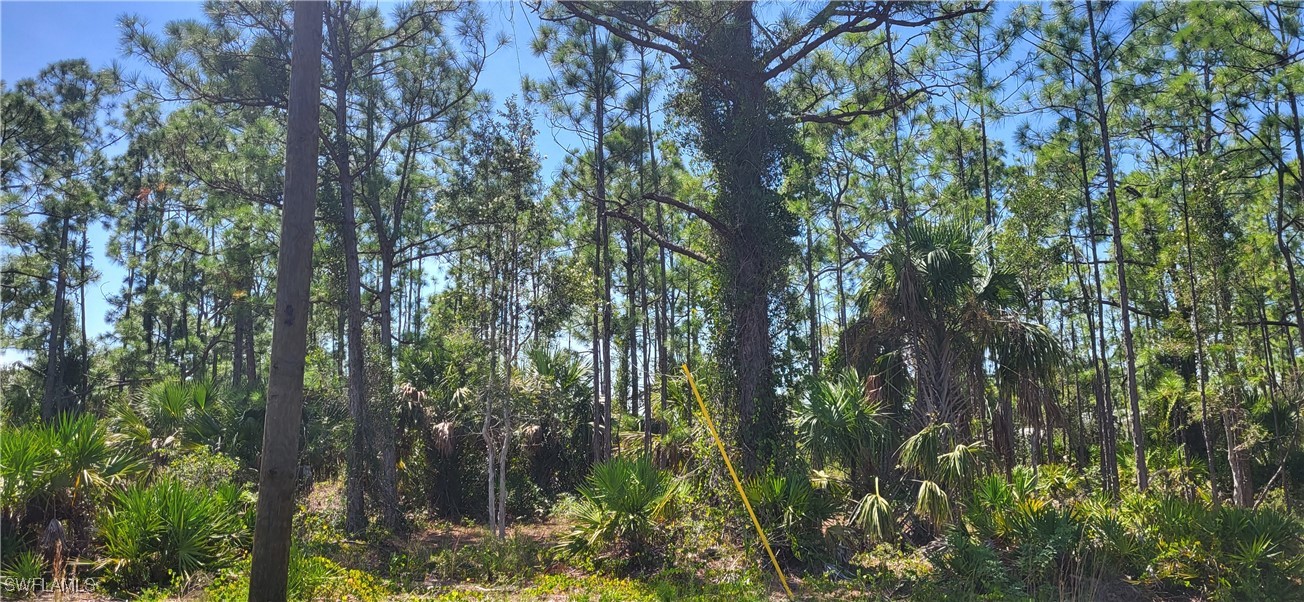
[(933, 303)]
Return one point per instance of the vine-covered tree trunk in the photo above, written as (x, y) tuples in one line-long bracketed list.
[(742, 137)]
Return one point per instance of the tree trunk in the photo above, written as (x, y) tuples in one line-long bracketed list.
[(602, 266), (813, 295), (663, 290), (1286, 253), (384, 423), (1105, 400), (1201, 362), (53, 392), (360, 453), (982, 133), (269, 569), (631, 304), (742, 134), (1133, 396)]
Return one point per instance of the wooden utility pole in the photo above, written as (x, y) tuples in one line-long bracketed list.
[(270, 566)]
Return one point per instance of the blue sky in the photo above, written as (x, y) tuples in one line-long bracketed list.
[(35, 34)]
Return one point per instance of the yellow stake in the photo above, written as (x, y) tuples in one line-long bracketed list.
[(710, 425)]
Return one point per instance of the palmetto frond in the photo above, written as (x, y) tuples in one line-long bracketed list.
[(837, 419), (873, 515), (921, 451), (620, 504), (961, 465), (932, 503)]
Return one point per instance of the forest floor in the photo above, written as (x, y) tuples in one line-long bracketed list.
[(440, 560)]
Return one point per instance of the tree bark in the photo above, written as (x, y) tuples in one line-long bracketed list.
[(269, 569), (360, 454), (53, 390)]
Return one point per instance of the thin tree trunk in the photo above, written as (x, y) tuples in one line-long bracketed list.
[(1286, 253), (53, 393), (492, 390), (1200, 358), (812, 293), (663, 291), (360, 454), (604, 253), (982, 132), (1238, 459), (1105, 401), (1133, 395), (631, 303), (602, 348), (85, 392)]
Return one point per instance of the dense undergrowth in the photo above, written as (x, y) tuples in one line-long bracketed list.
[(151, 501)]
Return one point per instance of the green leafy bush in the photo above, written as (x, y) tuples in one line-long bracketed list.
[(27, 461), (60, 465), (310, 578), (166, 531), (793, 513), (191, 416), (513, 558), (1222, 553), (619, 508), (22, 567), (1163, 543), (966, 569), (204, 468), (837, 421)]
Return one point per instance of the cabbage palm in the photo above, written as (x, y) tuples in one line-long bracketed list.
[(932, 293)]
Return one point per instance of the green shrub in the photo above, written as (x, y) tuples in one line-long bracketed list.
[(793, 513), (492, 560), (966, 569), (204, 469), (22, 568), (178, 416), (836, 421), (310, 578), (1049, 540), (1162, 542), (618, 509), (166, 531), (61, 465), (27, 463)]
